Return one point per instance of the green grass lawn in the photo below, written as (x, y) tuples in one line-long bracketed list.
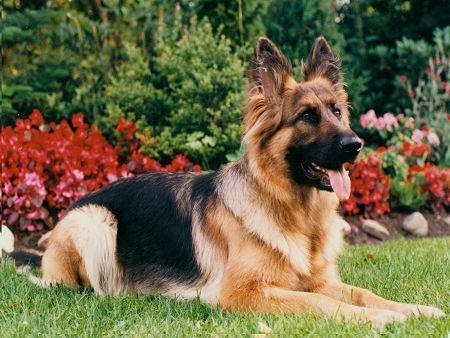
[(408, 271)]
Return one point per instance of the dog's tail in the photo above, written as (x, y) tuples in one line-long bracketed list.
[(21, 255)]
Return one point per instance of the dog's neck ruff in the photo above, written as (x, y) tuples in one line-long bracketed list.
[(244, 200)]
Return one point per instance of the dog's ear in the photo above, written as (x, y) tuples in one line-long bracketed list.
[(322, 62), (270, 70)]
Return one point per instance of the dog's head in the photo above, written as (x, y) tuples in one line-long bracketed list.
[(300, 129)]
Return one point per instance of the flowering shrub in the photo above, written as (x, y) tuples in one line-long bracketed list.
[(430, 102), (402, 133), (434, 184), (413, 182), (386, 122), (46, 167)]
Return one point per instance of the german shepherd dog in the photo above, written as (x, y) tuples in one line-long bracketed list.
[(259, 235)]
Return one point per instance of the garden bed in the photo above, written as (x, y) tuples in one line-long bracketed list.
[(437, 227)]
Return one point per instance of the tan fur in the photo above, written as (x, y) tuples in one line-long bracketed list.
[(81, 251)]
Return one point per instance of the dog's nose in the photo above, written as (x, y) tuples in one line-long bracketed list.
[(351, 145)]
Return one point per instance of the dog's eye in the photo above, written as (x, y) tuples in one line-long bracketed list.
[(338, 113), (308, 115)]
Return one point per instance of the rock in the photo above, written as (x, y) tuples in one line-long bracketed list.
[(416, 224), (375, 229), (447, 220), (6, 240), (343, 224)]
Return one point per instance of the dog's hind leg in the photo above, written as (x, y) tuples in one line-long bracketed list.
[(81, 251), (62, 264)]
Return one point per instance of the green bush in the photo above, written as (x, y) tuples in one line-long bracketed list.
[(378, 37), (58, 57), (429, 93), (403, 193), (190, 97), (242, 21)]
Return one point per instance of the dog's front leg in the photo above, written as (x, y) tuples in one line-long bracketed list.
[(365, 298), (275, 299)]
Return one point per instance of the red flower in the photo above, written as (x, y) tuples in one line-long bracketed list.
[(370, 187), (421, 149), (36, 118), (428, 70), (444, 85), (411, 93), (51, 167), (403, 78), (78, 120)]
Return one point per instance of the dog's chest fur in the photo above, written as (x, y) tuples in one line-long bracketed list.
[(295, 243)]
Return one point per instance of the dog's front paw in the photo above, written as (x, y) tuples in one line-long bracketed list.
[(380, 318), (419, 310)]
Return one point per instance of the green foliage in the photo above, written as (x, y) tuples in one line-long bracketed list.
[(203, 97), (129, 92), (394, 166), (65, 54), (294, 25), (190, 106), (429, 99), (241, 21), (181, 78), (403, 192), (379, 45)]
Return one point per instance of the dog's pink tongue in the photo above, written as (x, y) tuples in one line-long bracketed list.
[(340, 182)]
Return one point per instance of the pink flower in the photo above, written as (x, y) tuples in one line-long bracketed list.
[(373, 160), (78, 174), (36, 214), (111, 177), (380, 123), (418, 135), (368, 119), (31, 228), (18, 201), (31, 179), (8, 188), (402, 78), (433, 138), (390, 120)]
